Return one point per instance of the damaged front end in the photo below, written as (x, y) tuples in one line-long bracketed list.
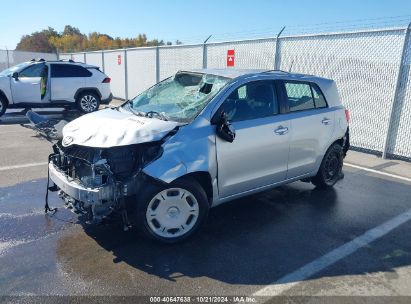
[(97, 182)]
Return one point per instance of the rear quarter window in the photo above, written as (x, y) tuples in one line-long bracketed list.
[(319, 98), (68, 70)]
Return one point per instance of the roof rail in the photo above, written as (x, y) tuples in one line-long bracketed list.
[(37, 60), (66, 60), (282, 71)]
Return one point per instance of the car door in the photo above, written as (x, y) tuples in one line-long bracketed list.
[(258, 155), (66, 79), (312, 125), (26, 88)]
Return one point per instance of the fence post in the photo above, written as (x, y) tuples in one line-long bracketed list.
[(85, 59), (157, 64), (397, 92), (102, 62), (125, 75), (205, 52), (277, 61), (8, 58), (57, 55)]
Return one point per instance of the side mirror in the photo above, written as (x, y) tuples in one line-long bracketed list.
[(15, 76), (224, 129)]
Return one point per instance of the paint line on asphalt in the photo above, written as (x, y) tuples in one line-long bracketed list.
[(290, 280), (22, 166), (378, 172), (5, 246)]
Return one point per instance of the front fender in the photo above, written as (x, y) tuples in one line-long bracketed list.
[(191, 149), (5, 88)]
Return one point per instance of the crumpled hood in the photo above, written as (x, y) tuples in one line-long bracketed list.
[(110, 127)]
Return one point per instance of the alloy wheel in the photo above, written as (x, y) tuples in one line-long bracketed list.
[(88, 103)]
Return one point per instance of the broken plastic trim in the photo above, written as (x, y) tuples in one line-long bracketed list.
[(46, 205)]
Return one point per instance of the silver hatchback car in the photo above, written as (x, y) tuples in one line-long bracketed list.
[(196, 140)]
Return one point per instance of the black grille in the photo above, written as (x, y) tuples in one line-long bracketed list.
[(87, 154)]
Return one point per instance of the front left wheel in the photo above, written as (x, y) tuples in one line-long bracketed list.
[(173, 212), (88, 102)]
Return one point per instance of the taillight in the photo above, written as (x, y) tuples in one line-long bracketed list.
[(347, 115), (107, 80)]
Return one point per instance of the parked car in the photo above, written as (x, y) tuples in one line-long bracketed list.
[(199, 139), (43, 83)]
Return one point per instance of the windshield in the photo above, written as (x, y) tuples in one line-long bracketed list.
[(13, 69), (180, 98)]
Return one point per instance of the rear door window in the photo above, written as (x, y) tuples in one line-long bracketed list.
[(303, 96), (299, 96), (68, 70)]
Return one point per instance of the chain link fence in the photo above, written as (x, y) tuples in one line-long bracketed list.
[(370, 67)]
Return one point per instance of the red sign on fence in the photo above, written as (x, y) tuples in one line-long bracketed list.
[(230, 58), (119, 59)]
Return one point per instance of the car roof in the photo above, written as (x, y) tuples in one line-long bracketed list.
[(237, 73), (84, 65)]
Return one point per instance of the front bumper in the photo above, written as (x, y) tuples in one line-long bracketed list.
[(78, 192)]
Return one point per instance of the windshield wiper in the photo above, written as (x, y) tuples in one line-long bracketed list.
[(137, 113), (158, 114)]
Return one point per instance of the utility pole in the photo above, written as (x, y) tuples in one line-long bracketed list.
[(277, 61), (205, 52)]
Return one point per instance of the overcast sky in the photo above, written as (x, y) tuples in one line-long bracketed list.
[(193, 20)]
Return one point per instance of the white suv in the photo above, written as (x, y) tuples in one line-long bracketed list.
[(43, 83)]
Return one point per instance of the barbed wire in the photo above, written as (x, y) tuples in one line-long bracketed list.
[(357, 24)]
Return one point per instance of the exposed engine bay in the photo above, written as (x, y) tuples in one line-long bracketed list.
[(102, 177)]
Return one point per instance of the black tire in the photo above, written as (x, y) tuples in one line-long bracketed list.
[(3, 105), (88, 102), (331, 168), (149, 194)]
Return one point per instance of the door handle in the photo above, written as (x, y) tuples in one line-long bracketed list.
[(326, 121), (281, 130)]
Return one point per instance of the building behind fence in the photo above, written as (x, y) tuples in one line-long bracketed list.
[(371, 69)]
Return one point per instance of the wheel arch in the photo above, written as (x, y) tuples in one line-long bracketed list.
[(204, 179), (85, 90), (3, 95), (341, 141)]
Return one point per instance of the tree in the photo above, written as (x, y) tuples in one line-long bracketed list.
[(72, 40), (70, 31), (38, 41)]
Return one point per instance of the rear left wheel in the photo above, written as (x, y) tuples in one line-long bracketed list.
[(88, 102), (331, 167)]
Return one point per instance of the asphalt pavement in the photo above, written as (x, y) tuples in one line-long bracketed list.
[(294, 243)]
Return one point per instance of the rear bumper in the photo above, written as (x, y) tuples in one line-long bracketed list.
[(346, 144), (107, 100)]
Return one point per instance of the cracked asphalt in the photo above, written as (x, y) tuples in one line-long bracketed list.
[(246, 245)]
